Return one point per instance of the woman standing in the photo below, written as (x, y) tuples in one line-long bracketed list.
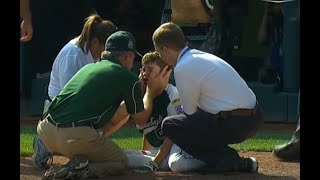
[(80, 51)]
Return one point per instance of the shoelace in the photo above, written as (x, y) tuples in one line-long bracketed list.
[(149, 167), (74, 169), (152, 166), (50, 159)]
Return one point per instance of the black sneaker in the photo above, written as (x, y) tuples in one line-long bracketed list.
[(248, 164), (288, 152), (76, 168)]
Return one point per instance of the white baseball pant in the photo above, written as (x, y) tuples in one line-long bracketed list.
[(177, 161)]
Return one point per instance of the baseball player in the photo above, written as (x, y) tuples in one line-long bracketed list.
[(169, 156)]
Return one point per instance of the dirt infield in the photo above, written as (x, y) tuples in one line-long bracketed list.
[(269, 168)]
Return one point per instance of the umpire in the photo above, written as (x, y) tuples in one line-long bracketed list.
[(87, 103), (220, 109)]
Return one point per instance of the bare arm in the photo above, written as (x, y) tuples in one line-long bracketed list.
[(156, 85), (164, 151), (142, 117), (25, 12), (263, 30), (154, 164), (263, 33), (119, 119), (26, 24), (145, 144)]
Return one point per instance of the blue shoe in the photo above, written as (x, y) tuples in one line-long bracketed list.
[(41, 157), (76, 168)]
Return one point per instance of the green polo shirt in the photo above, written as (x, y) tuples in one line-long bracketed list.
[(95, 92)]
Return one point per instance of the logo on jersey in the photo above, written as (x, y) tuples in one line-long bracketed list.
[(159, 133), (176, 101), (130, 44), (151, 125), (178, 109)]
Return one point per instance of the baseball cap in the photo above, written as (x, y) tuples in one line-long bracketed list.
[(278, 1), (121, 41)]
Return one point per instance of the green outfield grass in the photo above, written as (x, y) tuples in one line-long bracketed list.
[(130, 138)]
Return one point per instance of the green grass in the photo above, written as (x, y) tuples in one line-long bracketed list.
[(129, 138), (264, 141), (26, 135)]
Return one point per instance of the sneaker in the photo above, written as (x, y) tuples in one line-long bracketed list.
[(248, 164), (151, 166), (41, 157), (288, 152), (76, 168)]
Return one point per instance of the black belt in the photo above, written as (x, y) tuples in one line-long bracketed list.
[(69, 124), (239, 112)]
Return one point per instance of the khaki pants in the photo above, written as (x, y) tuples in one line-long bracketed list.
[(105, 157)]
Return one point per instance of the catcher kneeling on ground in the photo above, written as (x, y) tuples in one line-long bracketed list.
[(87, 103)]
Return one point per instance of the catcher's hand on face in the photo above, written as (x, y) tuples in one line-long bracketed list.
[(151, 166)]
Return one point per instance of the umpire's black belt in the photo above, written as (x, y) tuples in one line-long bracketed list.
[(68, 124), (240, 112)]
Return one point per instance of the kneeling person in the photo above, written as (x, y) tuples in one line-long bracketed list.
[(87, 103)]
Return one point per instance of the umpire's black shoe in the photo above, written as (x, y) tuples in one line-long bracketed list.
[(248, 164), (289, 151)]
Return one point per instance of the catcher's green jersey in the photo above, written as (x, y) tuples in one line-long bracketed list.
[(167, 104), (95, 92)]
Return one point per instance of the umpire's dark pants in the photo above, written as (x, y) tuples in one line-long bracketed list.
[(207, 136)]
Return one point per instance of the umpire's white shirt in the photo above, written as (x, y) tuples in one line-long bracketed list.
[(208, 82), (70, 59)]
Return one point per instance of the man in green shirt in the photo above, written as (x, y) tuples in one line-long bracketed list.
[(88, 102)]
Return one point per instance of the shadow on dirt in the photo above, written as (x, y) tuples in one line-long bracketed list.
[(28, 172)]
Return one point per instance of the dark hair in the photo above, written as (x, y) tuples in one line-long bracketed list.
[(95, 27)]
